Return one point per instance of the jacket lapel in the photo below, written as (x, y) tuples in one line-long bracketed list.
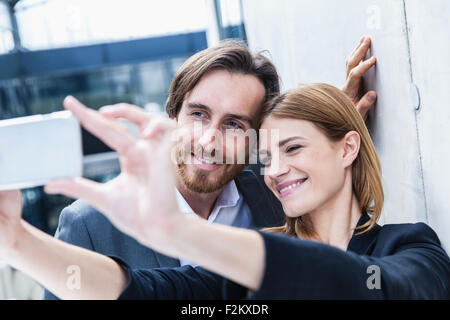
[(266, 210), (364, 243)]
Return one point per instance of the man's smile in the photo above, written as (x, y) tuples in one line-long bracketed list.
[(205, 164)]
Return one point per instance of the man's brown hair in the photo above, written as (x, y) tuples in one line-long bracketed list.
[(230, 55)]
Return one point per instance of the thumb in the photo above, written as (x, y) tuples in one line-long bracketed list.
[(79, 188), (11, 202), (366, 102)]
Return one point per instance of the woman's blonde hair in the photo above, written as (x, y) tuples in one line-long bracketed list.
[(335, 115)]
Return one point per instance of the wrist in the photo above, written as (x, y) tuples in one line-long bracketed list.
[(184, 236), (164, 236), (11, 247)]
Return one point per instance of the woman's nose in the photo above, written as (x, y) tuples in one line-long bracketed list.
[(277, 170)]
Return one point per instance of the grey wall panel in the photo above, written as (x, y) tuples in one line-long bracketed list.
[(309, 41), (429, 28)]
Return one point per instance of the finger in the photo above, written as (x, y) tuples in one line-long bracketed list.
[(110, 132), (366, 103), (158, 126), (9, 194), (357, 46), (11, 201), (361, 52), (163, 131), (127, 111), (358, 55), (356, 74), (79, 188)]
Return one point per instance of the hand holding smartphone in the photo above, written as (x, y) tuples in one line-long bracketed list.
[(37, 149)]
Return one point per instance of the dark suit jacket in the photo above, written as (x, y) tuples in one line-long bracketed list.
[(409, 258), (82, 225)]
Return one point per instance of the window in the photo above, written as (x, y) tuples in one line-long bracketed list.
[(6, 37), (63, 23)]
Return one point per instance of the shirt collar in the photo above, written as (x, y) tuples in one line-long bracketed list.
[(229, 197), (182, 204)]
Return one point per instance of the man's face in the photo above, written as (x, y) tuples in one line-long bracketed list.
[(214, 118)]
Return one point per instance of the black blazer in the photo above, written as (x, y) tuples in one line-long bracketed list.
[(409, 258)]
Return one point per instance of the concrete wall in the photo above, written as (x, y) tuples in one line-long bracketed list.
[(309, 41)]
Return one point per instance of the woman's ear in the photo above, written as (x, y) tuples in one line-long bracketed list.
[(350, 144)]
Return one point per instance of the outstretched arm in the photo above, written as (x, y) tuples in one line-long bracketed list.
[(70, 272), (248, 257), (140, 202), (414, 267), (245, 256)]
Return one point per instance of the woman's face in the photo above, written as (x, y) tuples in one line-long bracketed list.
[(310, 171)]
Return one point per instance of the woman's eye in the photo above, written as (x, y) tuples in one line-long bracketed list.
[(292, 148)]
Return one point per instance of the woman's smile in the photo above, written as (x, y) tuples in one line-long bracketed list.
[(289, 187)]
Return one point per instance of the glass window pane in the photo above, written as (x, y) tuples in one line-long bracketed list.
[(60, 23), (231, 12), (6, 38)]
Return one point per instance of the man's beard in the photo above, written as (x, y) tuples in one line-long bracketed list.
[(199, 180)]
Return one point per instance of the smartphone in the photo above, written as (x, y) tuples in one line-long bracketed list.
[(37, 149)]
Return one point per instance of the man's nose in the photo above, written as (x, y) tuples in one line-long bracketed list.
[(209, 139)]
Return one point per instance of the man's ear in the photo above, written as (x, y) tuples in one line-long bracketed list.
[(350, 147)]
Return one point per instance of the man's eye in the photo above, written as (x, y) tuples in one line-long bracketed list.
[(198, 114), (233, 125), (292, 148)]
